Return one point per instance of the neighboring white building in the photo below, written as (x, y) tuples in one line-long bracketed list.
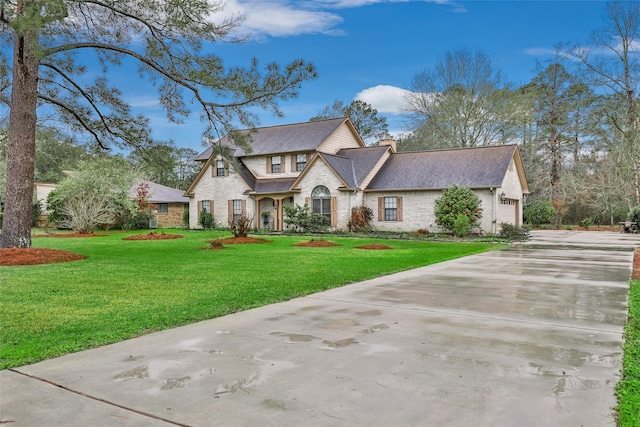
[(326, 165)]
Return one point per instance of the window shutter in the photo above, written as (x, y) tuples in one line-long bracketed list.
[(294, 158), (380, 209), (230, 211), (307, 201), (268, 164), (333, 212), (308, 157), (211, 208), (227, 165), (399, 208), (199, 210), (244, 207)]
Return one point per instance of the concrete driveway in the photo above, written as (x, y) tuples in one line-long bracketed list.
[(528, 336)]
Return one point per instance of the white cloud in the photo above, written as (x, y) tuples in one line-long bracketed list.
[(281, 18), (143, 101), (384, 98)]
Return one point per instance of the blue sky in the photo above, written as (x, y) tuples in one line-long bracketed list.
[(371, 49)]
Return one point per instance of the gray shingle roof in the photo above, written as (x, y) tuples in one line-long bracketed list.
[(354, 164), (480, 167), (277, 185), (159, 193), (298, 137)]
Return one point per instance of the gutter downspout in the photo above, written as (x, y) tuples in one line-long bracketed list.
[(494, 207)]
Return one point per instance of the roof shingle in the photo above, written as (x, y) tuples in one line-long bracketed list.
[(480, 167), (298, 137)]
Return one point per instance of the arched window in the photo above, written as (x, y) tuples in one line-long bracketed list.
[(321, 201)]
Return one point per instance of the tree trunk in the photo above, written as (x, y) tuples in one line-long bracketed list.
[(16, 225)]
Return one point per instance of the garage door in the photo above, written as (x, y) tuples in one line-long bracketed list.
[(508, 212)]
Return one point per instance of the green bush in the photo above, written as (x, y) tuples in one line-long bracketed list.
[(302, 219), (206, 219), (538, 212), (634, 214), (185, 218), (513, 232), (586, 222), (457, 201), (462, 226), (36, 211)]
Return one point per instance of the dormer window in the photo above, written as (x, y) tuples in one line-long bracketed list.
[(301, 162)]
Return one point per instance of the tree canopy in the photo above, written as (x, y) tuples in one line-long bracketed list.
[(365, 118), (43, 65)]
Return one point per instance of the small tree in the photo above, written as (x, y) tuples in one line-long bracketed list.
[(538, 212), (241, 226), (83, 213), (457, 201), (361, 218), (97, 194)]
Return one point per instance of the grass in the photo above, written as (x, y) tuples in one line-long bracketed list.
[(628, 388), (128, 288)]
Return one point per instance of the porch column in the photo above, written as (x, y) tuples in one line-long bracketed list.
[(256, 214), (277, 221)]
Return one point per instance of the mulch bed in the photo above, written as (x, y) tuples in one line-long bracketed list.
[(317, 244), (218, 244), (375, 246), (154, 235), (240, 240), (35, 256), (636, 265)]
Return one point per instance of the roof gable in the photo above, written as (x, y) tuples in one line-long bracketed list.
[(353, 165), (292, 138), (158, 193), (479, 167)]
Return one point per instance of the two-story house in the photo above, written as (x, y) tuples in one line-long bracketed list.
[(326, 165)]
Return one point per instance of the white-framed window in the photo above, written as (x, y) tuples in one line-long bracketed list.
[(321, 201), (390, 208), (162, 208), (301, 162), (276, 164), (237, 209), (220, 168)]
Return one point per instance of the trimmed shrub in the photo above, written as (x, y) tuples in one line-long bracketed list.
[(586, 222), (302, 219), (513, 232), (457, 201), (462, 226), (206, 219)]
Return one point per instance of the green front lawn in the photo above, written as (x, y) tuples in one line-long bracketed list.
[(628, 389), (129, 288)]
